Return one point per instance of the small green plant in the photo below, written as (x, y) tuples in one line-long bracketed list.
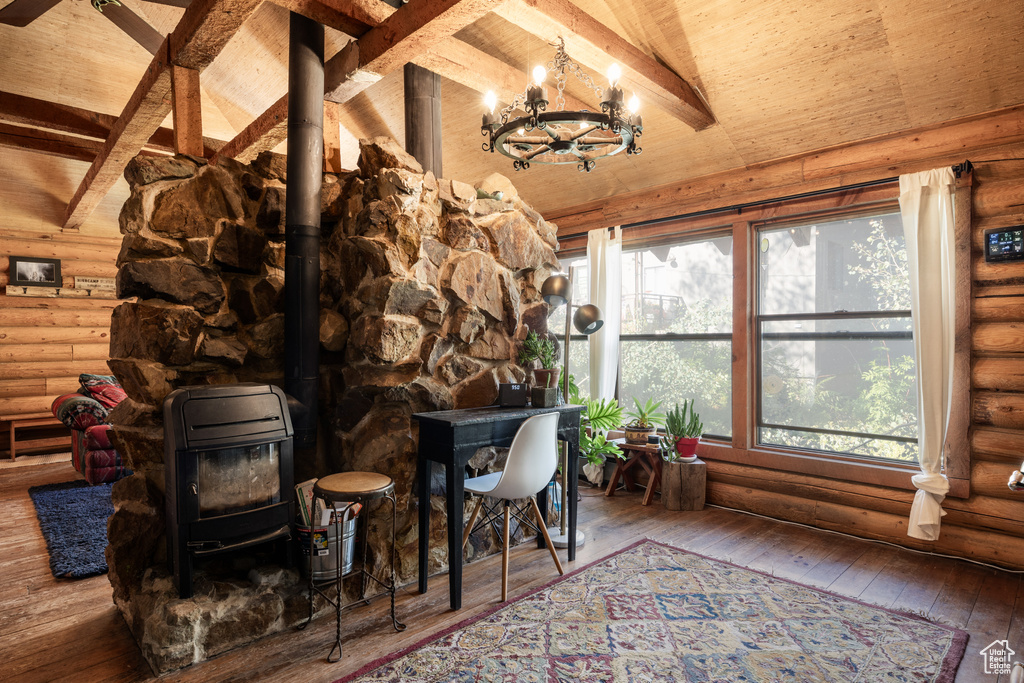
[(535, 348), (600, 415), (646, 414), (684, 422), (680, 423), (596, 449)]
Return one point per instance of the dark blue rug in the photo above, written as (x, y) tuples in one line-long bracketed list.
[(73, 517)]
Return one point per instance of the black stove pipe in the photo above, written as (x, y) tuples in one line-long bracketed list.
[(302, 223)]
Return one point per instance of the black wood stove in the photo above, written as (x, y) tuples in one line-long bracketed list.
[(228, 468)]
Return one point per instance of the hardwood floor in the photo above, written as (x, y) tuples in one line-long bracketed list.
[(60, 630)]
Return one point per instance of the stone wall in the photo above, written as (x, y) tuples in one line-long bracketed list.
[(435, 286), (425, 290)]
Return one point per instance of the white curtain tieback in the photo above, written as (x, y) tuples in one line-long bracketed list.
[(935, 484)]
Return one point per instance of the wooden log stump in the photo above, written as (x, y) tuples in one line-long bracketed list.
[(683, 485)]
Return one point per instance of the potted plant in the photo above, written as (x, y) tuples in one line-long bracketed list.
[(645, 420), (683, 478), (544, 392), (600, 416), (683, 430)]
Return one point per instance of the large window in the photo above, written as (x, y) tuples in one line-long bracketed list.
[(836, 370), (676, 336), (676, 340)]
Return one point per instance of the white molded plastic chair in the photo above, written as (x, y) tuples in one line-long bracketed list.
[(532, 460)]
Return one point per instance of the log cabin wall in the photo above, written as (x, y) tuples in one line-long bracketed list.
[(45, 342), (986, 523)]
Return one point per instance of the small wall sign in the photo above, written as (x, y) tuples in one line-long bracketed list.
[(35, 272)]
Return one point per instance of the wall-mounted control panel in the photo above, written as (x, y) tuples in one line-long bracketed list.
[(1004, 244)]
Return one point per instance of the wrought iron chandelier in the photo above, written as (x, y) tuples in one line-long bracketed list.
[(563, 136)]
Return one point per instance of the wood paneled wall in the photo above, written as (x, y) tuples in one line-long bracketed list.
[(987, 523), (45, 343)]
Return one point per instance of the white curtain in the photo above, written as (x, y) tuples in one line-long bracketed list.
[(604, 262), (926, 203)]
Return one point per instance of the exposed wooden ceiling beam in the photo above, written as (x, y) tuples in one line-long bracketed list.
[(266, 132), (48, 143), (352, 19), (29, 111), (409, 32), (203, 31), (51, 116), (53, 144), (461, 62), (145, 111), (595, 45), (205, 28), (403, 36)]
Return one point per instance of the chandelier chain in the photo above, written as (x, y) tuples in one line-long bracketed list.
[(562, 62)]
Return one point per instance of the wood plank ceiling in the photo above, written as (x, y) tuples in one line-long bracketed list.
[(772, 78)]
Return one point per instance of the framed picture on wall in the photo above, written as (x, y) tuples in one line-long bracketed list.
[(35, 272)]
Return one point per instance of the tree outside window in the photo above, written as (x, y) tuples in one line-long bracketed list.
[(837, 369)]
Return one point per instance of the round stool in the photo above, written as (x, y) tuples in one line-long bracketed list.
[(353, 487)]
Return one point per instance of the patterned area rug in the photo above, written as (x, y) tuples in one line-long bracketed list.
[(655, 613)]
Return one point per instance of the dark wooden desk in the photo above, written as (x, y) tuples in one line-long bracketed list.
[(451, 437)]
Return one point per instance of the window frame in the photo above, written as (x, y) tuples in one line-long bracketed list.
[(761, 319), (675, 239), (804, 467)]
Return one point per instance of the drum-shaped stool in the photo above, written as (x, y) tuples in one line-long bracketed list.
[(352, 487)]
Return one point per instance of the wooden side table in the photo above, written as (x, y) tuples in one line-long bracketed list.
[(683, 485), (648, 457)]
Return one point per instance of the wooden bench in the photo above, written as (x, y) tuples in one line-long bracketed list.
[(50, 444)]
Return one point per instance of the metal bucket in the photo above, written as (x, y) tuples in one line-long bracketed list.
[(325, 549)]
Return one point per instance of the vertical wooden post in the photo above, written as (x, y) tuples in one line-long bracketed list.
[(332, 137), (743, 281), (958, 443), (186, 107), (423, 117)]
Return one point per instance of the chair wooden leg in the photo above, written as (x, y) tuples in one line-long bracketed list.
[(472, 520), (504, 557), (542, 524)]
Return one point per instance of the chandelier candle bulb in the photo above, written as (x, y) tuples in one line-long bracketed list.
[(489, 120), (614, 74), (537, 94)]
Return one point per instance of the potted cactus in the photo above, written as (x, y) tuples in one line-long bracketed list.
[(683, 430)]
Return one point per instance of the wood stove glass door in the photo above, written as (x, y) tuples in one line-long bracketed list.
[(239, 478)]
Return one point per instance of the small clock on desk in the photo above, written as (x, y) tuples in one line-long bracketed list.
[(512, 394), (1004, 244)]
